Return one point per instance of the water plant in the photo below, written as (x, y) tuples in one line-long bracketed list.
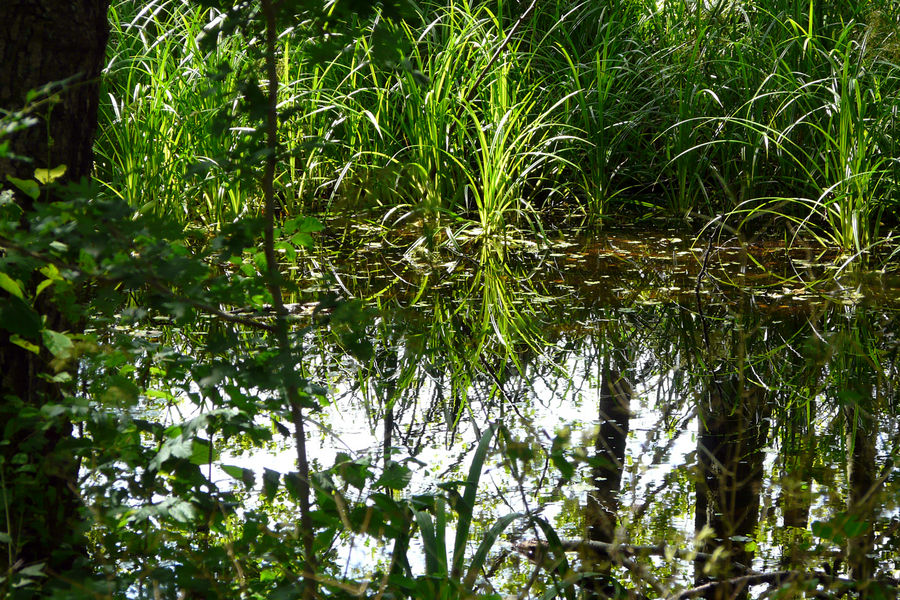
[(159, 148), (451, 575), (625, 108)]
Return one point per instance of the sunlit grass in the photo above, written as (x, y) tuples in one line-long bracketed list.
[(631, 109), (158, 147)]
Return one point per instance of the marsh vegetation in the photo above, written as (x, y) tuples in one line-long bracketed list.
[(463, 299)]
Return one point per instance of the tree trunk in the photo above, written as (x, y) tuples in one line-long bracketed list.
[(609, 451), (862, 503), (798, 446), (58, 44), (46, 42)]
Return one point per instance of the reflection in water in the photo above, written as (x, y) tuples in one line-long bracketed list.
[(733, 417), (716, 453)]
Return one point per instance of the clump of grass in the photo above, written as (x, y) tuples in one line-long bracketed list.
[(486, 117), (831, 134), (158, 117)]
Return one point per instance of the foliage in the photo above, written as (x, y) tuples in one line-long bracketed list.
[(227, 124), (773, 110)]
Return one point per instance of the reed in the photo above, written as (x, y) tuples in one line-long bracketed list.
[(159, 147), (485, 120)]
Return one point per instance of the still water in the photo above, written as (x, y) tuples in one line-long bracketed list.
[(705, 419)]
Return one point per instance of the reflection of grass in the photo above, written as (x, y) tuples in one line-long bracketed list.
[(506, 304), (469, 337)]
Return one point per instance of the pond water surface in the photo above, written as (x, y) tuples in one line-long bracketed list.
[(732, 402)]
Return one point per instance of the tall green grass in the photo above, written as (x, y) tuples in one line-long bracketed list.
[(158, 146), (778, 107), (822, 133)]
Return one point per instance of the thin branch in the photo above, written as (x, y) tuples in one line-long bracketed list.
[(273, 277), (533, 550), (773, 578)]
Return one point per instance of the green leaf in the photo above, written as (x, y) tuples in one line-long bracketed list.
[(825, 531), (281, 428), (853, 527), (22, 343), (303, 225), (233, 470), (10, 285), (29, 187), (480, 556), (303, 240), (248, 477), (42, 286), (354, 472), (562, 565), (181, 511), (292, 484), (51, 272), (49, 175), (466, 504), (270, 483), (201, 451), (57, 343), (5, 538), (33, 571), (120, 390), (18, 317), (245, 475), (396, 476), (565, 468), (435, 555)]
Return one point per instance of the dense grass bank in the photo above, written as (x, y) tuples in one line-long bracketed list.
[(775, 112)]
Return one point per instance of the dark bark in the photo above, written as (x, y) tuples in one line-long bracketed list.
[(42, 42), (732, 433), (609, 452), (601, 511), (862, 431), (859, 394)]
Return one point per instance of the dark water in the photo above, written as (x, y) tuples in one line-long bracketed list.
[(732, 400)]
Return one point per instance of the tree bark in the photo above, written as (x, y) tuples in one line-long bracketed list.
[(797, 455), (862, 501), (46, 42), (56, 46), (609, 450)]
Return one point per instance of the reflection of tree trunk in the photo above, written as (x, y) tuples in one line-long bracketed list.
[(609, 455), (729, 448), (862, 431), (797, 451)]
